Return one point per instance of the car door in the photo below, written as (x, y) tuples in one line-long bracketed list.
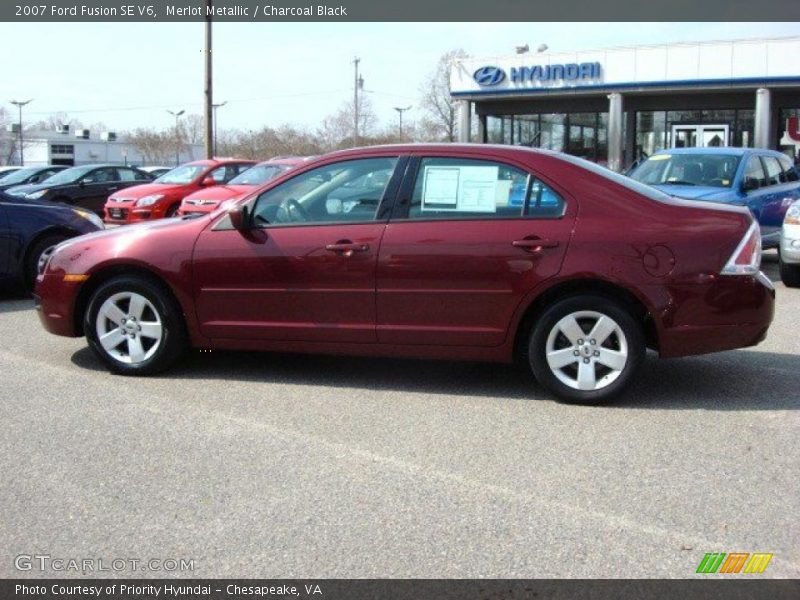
[(5, 241), (94, 188), (753, 186), (305, 270), (778, 196), (468, 240)]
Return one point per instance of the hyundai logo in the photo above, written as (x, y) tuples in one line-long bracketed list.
[(489, 76)]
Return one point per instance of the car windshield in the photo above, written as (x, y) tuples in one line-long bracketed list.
[(714, 170), (258, 174), (182, 174), (4, 175), (20, 176), (67, 176)]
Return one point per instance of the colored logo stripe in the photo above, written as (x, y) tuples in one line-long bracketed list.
[(716, 561), (757, 563), (711, 562)]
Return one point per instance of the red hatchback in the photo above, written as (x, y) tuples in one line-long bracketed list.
[(162, 197), (208, 200), (442, 251)]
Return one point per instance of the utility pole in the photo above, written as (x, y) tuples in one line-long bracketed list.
[(356, 60), (19, 104), (209, 102), (215, 107), (177, 135), (400, 111)]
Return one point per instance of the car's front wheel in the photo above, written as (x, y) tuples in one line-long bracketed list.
[(38, 255), (134, 326), (585, 349)]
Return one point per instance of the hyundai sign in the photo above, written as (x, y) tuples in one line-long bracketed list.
[(489, 76)]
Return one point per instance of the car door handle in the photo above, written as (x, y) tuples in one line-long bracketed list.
[(113, 189), (346, 248), (534, 244)]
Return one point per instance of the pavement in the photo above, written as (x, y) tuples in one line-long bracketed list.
[(267, 465)]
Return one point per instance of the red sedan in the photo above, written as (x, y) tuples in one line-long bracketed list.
[(162, 197), (208, 200), (441, 251)]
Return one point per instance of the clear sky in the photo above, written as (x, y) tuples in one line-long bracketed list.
[(127, 75)]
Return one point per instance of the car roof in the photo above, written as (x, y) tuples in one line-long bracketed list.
[(220, 161), (722, 150)]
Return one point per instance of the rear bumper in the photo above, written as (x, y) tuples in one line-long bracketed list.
[(727, 313), (55, 304)]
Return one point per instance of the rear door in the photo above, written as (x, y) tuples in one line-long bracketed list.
[(467, 241), (306, 270), (95, 188)]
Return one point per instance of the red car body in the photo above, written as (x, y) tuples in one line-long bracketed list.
[(460, 288), (207, 200), (121, 207)]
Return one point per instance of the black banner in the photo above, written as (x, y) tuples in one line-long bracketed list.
[(535, 11), (400, 589)]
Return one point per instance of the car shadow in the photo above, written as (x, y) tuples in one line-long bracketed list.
[(770, 266), (13, 302), (736, 380)]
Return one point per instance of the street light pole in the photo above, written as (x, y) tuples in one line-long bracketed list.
[(209, 102), (215, 107), (400, 111), (19, 104), (177, 135), (356, 60)]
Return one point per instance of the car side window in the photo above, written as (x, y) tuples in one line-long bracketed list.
[(141, 176), (753, 171), (773, 168), (126, 174), (460, 188), (225, 173), (100, 176), (789, 170), (342, 192)]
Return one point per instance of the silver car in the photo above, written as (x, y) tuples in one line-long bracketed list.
[(790, 246)]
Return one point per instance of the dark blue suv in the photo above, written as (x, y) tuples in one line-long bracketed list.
[(765, 181), (28, 229)]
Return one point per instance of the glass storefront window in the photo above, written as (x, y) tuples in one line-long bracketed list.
[(498, 129), (786, 144), (651, 133), (582, 140), (745, 122), (552, 132)]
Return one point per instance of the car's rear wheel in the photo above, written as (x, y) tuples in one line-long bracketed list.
[(135, 326), (38, 255), (790, 274), (586, 349)]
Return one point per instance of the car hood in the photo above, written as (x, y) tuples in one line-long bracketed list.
[(220, 192), (140, 191), (132, 231), (27, 188), (699, 192)]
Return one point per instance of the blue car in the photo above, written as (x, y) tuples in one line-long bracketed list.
[(28, 229), (765, 181)]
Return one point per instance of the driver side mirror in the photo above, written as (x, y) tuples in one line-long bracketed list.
[(749, 184), (240, 217), (208, 181)]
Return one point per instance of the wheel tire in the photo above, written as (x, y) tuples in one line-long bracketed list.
[(623, 347), (37, 252), (172, 210), (142, 303), (790, 274)]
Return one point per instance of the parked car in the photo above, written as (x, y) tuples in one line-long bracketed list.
[(29, 228), (156, 171), (207, 200), (789, 251), (763, 180), (6, 171), (29, 175), (86, 187), (441, 262), (162, 197)]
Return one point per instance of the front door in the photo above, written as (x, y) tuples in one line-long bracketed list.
[(699, 136), (305, 270), (94, 189), (470, 239)]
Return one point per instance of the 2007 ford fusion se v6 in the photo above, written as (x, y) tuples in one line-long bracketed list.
[(467, 252)]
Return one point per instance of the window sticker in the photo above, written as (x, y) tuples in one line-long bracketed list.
[(462, 189)]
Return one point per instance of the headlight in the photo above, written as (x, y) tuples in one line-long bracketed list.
[(792, 215), (149, 200), (36, 195), (89, 216)]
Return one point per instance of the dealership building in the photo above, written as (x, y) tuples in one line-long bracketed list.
[(616, 105)]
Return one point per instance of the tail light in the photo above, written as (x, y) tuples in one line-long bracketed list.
[(746, 259)]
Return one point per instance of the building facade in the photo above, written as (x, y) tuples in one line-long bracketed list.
[(617, 105)]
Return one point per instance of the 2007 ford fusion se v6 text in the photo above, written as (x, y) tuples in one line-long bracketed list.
[(466, 252)]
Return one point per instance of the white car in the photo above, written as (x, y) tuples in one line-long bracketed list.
[(790, 247)]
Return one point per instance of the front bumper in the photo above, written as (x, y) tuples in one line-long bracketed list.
[(55, 301), (123, 213), (790, 250)]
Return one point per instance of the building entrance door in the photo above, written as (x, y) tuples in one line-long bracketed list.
[(699, 136)]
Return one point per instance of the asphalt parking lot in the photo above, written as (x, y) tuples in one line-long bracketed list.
[(298, 466)]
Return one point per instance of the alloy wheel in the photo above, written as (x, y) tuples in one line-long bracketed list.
[(129, 328)]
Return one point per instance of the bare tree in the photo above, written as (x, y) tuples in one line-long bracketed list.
[(156, 147), (440, 108), (336, 130)]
